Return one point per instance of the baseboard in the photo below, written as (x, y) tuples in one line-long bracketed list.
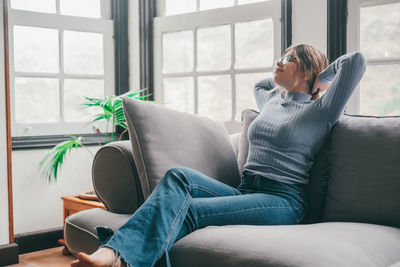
[(38, 240), (9, 254)]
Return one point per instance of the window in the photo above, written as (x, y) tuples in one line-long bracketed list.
[(374, 29), (60, 52), (209, 54)]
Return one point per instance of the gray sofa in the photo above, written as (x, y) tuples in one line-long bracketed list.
[(353, 213)]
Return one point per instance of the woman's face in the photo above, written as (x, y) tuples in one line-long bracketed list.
[(287, 75)]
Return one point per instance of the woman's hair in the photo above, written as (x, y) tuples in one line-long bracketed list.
[(311, 61)]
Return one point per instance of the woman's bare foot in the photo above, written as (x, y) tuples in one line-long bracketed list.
[(104, 257)]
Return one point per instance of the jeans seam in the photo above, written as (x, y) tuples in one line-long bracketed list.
[(204, 189), (175, 222), (237, 211)]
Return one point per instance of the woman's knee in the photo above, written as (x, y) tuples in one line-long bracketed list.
[(177, 173)]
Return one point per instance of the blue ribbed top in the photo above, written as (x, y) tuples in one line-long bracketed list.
[(289, 131)]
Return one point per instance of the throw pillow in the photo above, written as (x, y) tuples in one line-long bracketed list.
[(162, 138)]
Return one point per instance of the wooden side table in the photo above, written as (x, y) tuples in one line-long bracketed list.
[(73, 204)]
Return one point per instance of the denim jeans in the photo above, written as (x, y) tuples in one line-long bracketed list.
[(186, 200)]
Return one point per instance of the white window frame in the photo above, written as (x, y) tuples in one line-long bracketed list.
[(353, 43), (209, 18), (103, 25)]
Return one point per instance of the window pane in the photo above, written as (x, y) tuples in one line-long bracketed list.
[(380, 91), (173, 7), (83, 52), (210, 4), (75, 91), (244, 91), (35, 49), (254, 44), (47, 6), (179, 94), (243, 2), (37, 100), (86, 8), (178, 51), (215, 97), (214, 48), (380, 31)]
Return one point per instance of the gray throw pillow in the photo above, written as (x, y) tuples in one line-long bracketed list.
[(365, 171), (162, 138), (319, 173)]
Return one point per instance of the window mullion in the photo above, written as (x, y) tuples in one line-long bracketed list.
[(58, 11), (61, 69), (195, 73), (233, 58)]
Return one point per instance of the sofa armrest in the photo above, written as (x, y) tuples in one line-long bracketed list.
[(115, 178)]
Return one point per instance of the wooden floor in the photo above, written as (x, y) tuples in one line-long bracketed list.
[(44, 258)]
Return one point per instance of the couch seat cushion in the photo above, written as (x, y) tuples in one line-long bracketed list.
[(80, 228), (323, 244)]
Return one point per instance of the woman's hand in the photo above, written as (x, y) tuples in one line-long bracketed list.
[(320, 87)]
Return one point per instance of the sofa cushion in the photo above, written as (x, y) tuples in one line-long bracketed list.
[(321, 244), (80, 228), (365, 171), (162, 138), (319, 173)]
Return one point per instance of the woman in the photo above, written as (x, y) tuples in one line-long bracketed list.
[(293, 123)]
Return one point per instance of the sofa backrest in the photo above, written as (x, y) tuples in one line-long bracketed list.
[(364, 183)]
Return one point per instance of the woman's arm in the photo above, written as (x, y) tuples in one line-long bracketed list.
[(345, 74), (260, 93)]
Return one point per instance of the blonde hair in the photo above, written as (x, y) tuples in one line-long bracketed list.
[(311, 61)]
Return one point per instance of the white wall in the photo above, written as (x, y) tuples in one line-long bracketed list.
[(309, 23), (37, 203), (4, 238)]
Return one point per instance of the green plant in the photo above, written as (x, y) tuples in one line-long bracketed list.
[(110, 110)]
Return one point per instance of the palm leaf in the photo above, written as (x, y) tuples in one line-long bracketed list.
[(52, 162)]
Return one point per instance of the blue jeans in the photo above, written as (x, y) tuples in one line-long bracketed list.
[(186, 200)]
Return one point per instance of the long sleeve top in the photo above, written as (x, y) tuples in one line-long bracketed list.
[(289, 131)]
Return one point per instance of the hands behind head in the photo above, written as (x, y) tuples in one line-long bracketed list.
[(322, 87)]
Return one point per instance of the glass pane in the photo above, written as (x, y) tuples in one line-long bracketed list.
[(86, 8), (210, 4), (244, 91), (179, 94), (380, 31), (214, 48), (254, 44), (46, 6), (243, 2), (178, 51), (75, 91), (35, 49), (173, 7), (83, 52), (377, 97), (37, 100), (215, 97)]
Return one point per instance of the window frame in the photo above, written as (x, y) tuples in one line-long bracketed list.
[(353, 43), (20, 17), (216, 17)]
